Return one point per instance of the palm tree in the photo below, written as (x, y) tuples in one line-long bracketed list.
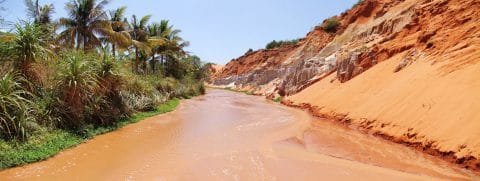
[(40, 14), (173, 48), (156, 42), (86, 20), (176, 43), (139, 36), (119, 35), (166, 41)]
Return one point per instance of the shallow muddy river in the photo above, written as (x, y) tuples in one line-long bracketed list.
[(231, 136)]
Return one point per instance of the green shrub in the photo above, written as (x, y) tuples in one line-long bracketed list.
[(138, 85), (278, 99), (202, 89), (188, 88), (137, 102), (331, 25), (45, 106), (166, 86), (16, 110)]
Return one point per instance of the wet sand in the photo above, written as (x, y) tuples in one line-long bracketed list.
[(230, 136)]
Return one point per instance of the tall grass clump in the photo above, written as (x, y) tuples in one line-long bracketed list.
[(75, 85), (27, 48), (16, 110)]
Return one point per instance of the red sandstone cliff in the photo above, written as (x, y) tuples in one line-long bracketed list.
[(407, 70)]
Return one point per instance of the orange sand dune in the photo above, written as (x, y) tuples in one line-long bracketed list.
[(423, 103)]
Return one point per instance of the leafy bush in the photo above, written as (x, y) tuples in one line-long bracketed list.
[(144, 93), (274, 44), (331, 25), (166, 86), (142, 102), (45, 106), (202, 89), (16, 111), (138, 85), (188, 88)]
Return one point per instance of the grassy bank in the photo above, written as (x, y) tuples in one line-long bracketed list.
[(61, 85), (51, 142)]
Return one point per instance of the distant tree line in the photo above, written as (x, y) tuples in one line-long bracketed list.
[(91, 68)]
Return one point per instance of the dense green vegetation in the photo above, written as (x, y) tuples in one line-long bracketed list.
[(331, 25), (274, 44), (63, 81)]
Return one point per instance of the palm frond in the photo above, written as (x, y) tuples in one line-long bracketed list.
[(32, 8), (144, 21), (88, 19), (152, 42), (118, 14), (141, 45)]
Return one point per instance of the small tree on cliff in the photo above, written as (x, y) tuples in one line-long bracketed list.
[(331, 25), (249, 51)]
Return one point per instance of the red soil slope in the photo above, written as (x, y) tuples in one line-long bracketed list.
[(406, 70), (426, 93)]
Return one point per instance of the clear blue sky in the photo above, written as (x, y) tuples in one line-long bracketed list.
[(219, 30)]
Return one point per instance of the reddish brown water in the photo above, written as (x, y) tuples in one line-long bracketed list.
[(231, 136)]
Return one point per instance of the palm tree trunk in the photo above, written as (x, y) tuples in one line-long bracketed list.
[(145, 67), (153, 62), (77, 46), (113, 50), (161, 60), (84, 43), (162, 57), (135, 64)]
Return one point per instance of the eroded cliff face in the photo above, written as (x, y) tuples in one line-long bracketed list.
[(348, 52), (408, 70), (370, 33)]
